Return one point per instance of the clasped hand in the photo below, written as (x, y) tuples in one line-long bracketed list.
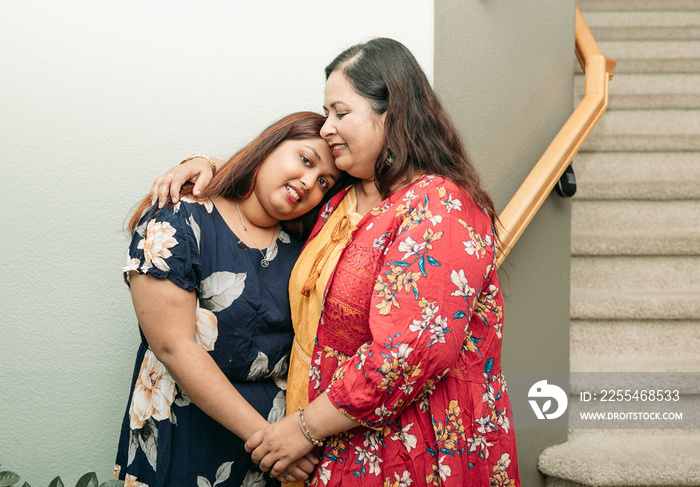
[(282, 449)]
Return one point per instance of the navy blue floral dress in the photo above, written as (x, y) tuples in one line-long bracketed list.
[(243, 321)]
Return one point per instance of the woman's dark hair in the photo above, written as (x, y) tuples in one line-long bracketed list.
[(235, 179), (419, 134)]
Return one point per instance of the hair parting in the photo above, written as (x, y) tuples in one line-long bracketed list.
[(419, 133)]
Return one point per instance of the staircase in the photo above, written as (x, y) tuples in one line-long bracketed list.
[(635, 266)]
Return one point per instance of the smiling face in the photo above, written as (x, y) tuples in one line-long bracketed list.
[(354, 132), (294, 178)]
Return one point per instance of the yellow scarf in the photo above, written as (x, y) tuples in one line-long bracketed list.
[(306, 287)]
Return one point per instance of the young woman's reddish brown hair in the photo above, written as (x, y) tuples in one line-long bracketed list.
[(235, 179)]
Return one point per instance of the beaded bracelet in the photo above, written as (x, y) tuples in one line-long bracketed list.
[(194, 156), (305, 430)]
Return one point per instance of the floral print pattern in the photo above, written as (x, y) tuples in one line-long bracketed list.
[(130, 481), (156, 246), (206, 328), (165, 438), (153, 394), (428, 388)]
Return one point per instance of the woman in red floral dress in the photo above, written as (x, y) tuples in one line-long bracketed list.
[(406, 385), (404, 376)]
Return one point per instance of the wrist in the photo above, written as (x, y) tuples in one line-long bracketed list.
[(324, 419), (314, 440), (257, 423), (211, 162)]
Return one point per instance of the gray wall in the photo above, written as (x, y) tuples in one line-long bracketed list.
[(505, 72)]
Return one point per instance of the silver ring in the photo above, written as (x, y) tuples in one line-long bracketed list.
[(286, 479), (168, 174)]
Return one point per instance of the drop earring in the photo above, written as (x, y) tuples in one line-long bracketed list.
[(388, 156)]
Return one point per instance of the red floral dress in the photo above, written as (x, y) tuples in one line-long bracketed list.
[(409, 345)]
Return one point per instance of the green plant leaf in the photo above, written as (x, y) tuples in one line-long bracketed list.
[(26, 485), (8, 478), (57, 482), (88, 480), (113, 483)]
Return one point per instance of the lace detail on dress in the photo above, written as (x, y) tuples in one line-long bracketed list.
[(346, 311)]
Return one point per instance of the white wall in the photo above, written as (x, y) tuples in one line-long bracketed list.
[(97, 98)]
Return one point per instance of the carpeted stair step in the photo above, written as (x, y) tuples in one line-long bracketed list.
[(641, 143), (637, 176), (636, 5), (648, 122), (631, 458), (650, 49), (656, 91), (644, 25), (646, 130), (653, 65), (635, 345), (642, 65), (666, 100), (686, 32), (635, 287), (651, 56), (628, 227), (599, 362)]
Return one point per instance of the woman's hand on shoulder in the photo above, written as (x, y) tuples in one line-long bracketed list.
[(167, 186)]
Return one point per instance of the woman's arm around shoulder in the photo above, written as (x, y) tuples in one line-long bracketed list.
[(198, 170)]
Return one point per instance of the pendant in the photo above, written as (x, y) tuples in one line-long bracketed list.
[(264, 262)]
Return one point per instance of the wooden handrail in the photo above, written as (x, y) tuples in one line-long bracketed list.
[(544, 176)]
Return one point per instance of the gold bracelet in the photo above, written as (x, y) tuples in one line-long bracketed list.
[(194, 156), (305, 430)]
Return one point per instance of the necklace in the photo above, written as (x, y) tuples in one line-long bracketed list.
[(264, 262)]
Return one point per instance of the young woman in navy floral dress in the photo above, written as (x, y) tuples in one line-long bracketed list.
[(208, 279)]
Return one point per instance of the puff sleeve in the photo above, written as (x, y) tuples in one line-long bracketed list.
[(165, 245)]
